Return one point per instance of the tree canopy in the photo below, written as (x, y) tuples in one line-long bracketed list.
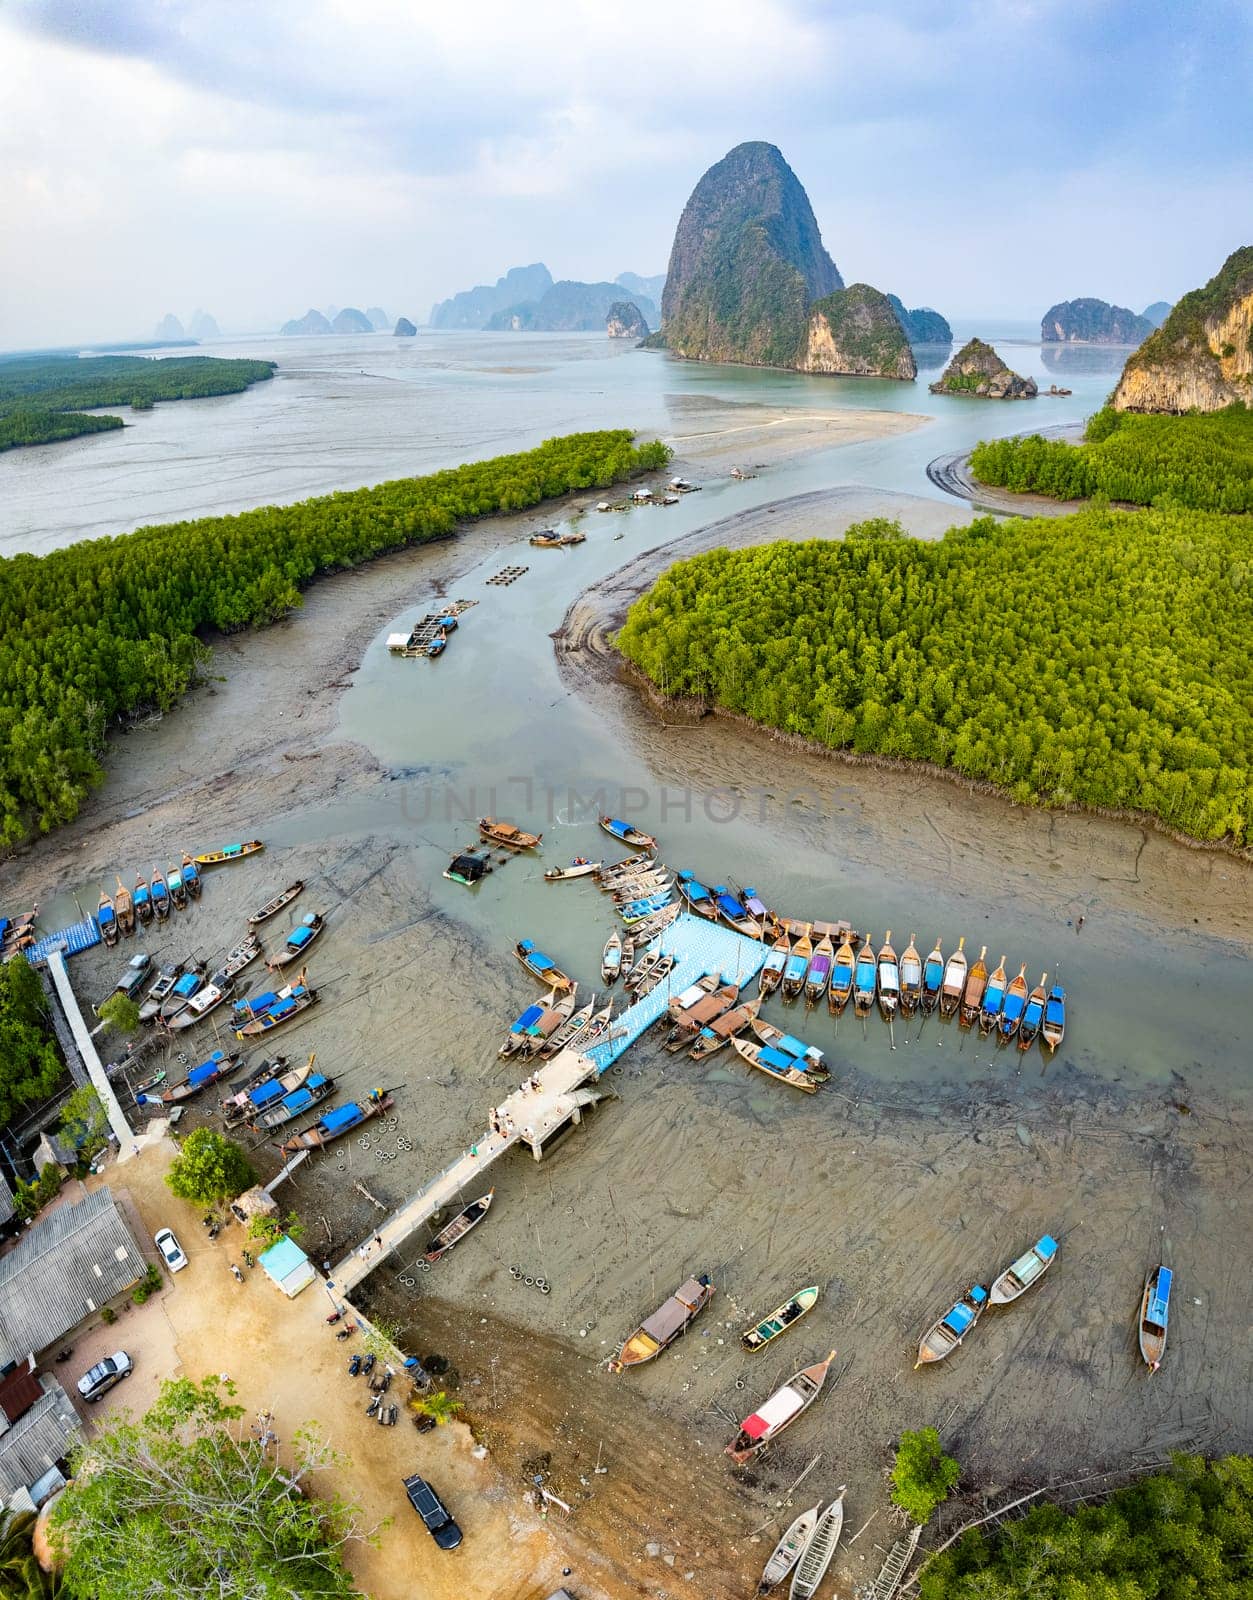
[(210, 1168), (922, 1474), (30, 1064), (1100, 658)]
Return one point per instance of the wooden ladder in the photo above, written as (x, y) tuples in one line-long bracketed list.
[(893, 1569)]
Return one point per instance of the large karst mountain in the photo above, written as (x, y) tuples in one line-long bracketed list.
[(1201, 358)]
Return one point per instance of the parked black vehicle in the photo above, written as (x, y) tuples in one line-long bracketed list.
[(433, 1511)]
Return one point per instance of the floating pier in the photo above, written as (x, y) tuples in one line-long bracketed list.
[(69, 941), (415, 642)]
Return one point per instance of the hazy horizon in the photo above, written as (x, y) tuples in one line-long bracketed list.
[(990, 161)]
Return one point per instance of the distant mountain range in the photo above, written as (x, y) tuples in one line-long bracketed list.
[(527, 300), (200, 325), (343, 321)]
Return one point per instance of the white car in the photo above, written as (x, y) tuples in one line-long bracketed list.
[(104, 1375), (171, 1250)]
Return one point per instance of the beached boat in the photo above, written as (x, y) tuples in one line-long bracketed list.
[(911, 979), (734, 912), (760, 912), (284, 1010), (843, 969), (1053, 1029), (865, 979), (780, 1319), (460, 1225), (611, 958), (1013, 1005), (191, 877), (504, 833), (574, 1022), (625, 867), (889, 979), (436, 646), (518, 1032), (1154, 1316), (715, 1035), (178, 889), (1021, 1274), (948, 1331), (550, 539), (972, 994), (334, 1124), (771, 975), (628, 833), (311, 1093), (243, 955), (156, 997), (1033, 1014), (954, 980), (124, 905), (205, 1001), (218, 1065), (228, 853), (106, 920), (993, 998), (580, 867), (596, 1029), (541, 966), (272, 907), (797, 964), (150, 1082), (160, 891), (818, 973), (549, 1021), (787, 1552), (271, 1082), (188, 986), (932, 979), (628, 957), (697, 895), (779, 1411), (805, 1055), (298, 940), (705, 1006), (811, 1569), (658, 1332), (257, 1005), (644, 910), (777, 1064), (656, 975), (142, 899)]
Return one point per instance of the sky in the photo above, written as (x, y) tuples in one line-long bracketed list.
[(987, 157)]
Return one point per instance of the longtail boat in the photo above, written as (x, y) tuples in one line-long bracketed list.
[(191, 877), (818, 973), (954, 980), (106, 919), (1028, 1269), (1154, 1316), (272, 907), (948, 1331), (228, 853), (797, 964), (780, 1319), (611, 958), (624, 868), (628, 833), (311, 1093), (1053, 1029), (993, 999), (628, 957), (596, 1029), (142, 899), (779, 1412), (712, 1038), (124, 905), (266, 1087), (734, 912), (865, 979), (656, 974), (574, 1022), (644, 910), (580, 867), (771, 974), (518, 1032), (760, 912), (647, 930), (243, 955), (1033, 1014), (679, 1003), (160, 894), (300, 999), (641, 887), (805, 1055), (549, 1021), (257, 1005), (189, 985), (205, 1000), (177, 888), (697, 895), (777, 1064), (642, 969), (703, 1011), (218, 1065), (460, 1225), (504, 833), (298, 940), (658, 1332), (335, 1123), (911, 979), (156, 997), (972, 994), (787, 1552), (932, 979), (541, 966), (889, 979), (811, 1569), (1013, 1005), (843, 968)]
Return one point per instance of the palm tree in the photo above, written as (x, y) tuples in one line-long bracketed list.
[(21, 1576), (440, 1407)]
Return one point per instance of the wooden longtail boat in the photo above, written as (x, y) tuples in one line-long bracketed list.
[(641, 887), (628, 833), (779, 1412), (243, 955), (805, 1055), (624, 868), (574, 1023), (972, 994), (218, 1065), (311, 1093), (267, 1086), (954, 980), (657, 974), (780, 1319), (842, 969), (1021, 1274), (889, 979), (658, 1332), (190, 984), (771, 974), (865, 980), (932, 979), (647, 930), (711, 1039), (191, 877), (948, 1331), (596, 1029), (611, 958), (679, 1003), (504, 833), (540, 966), (777, 1064), (1013, 1005), (460, 1225), (642, 968), (228, 853), (797, 964), (579, 868), (818, 973), (298, 940), (300, 999), (177, 888), (1053, 1029), (911, 979), (549, 1021), (811, 1569), (205, 1000), (168, 976), (160, 892), (1033, 1014), (125, 908), (698, 897), (787, 1552), (1154, 1316), (518, 1033), (337, 1122), (106, 920), (734, 912), (757, 908), (142, 899), (628, 957), (993, 998), (272, 907), (700, 1013)]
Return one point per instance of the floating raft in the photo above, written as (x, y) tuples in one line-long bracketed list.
[(508, 575), (425, 629), (78, 936)]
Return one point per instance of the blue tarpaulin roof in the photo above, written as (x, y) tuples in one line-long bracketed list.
[(301, 936), (959, 1319), (1159, 1301), (342, 1117), (1047, 1247)]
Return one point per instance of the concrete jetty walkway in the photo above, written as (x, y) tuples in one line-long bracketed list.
[(118, 1125)]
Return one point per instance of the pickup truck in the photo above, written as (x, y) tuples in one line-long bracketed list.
[(434, 1513)]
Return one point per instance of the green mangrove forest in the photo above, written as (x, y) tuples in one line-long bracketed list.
[(113, 626)]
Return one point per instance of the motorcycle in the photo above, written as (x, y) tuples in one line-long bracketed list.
[(336, 1315), (374, 1405), (354, 1366), (346, 1333), (368, 1368), (387, 1416)]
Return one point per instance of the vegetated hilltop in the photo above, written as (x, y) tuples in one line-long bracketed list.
[(1092, 322), (1098, 659), (107, 627), (567, 307), (855, 331), (922, 325), (976, 370), (39, 399), (472, 307), (1201, 358), (1203, 460)]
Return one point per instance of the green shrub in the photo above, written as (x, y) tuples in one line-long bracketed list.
[(151, 1283), (922, 1475)]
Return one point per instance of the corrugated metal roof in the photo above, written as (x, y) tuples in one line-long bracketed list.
[(38, 1440), (6, 1201), (69, 1264)]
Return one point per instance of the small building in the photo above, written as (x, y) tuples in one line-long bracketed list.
[(38, 1429), (286, 1265), (469, 866), (642, 494)]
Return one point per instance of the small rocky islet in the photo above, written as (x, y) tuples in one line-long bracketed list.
[(978, 372)]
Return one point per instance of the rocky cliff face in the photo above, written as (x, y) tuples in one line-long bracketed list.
[(856, 332), (473, 307), (1089, 321), (922, 325), (1157, 312), (978, 371), (404, 329), (1201, 358), (747, 263), (311, 322), (624, 320)]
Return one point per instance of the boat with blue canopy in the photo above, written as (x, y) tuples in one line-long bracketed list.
[(1154, 1316), (160, 894), (266, 1087), (311, 1093), (190, 984), (541, 966), (1028, 1269), (865, 979), (283, 1010), (437, 646), (298, 940), (797, 964), (519, 1032), (191, 877), (1053, 1029), (734, 912), (843, 967), (993, 999), (771, 975), (337, 1122), (932, 979), (777, 1064), (805, 1055), (142, 899), (947, 1332), (1013, 1005), (177, 888), (697, 895), (1033, 1014), (641, 910), (106, 920), (218, 1065), (628, 833)]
